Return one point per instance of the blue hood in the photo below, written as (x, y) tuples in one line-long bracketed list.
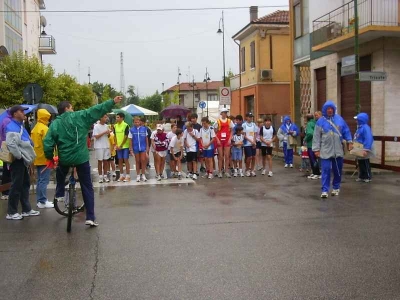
[(286, 118), (362, 118), (328, 104)]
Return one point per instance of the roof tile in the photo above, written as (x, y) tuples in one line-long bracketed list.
[(279, 16)]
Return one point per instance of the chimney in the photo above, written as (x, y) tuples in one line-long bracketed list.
[(253, 13)]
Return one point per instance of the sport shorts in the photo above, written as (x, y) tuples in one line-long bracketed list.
[(266, 150), (103, 153), (249, 151), (191, 156), (123, 153)]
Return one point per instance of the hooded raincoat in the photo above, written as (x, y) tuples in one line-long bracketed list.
[(38, 134), (329, 134), (363, 134), (283, 132)]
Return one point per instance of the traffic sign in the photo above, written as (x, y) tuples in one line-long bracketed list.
[(202, 104), (224, 95), (33, 93), (348, 65), (372, 76)]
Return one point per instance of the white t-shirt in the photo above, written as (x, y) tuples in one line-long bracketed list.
[(249, 130), (191, 141), (170, 135), (102, 142), (238, 139), (267, 134), (206, 136), (177, 144)]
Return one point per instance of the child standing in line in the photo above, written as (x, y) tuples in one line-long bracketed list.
[(113, 152), (237, 152), (207, 136), (305, 160), (190, 136), (139, 147), (176, 153), (160, 144)]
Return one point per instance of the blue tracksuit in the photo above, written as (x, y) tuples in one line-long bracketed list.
[(329, 133), (283, 133), (364, 136), (139, 139)]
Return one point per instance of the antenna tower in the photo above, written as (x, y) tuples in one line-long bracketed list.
[(122, 76)]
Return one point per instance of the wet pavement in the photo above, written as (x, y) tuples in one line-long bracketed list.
[(250, 238)]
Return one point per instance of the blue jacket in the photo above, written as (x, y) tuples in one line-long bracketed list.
[(283, 132), (139, 139), (20, 145), (328, 139), (363, 134)]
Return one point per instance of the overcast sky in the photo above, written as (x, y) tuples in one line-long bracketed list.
[(154, 44)]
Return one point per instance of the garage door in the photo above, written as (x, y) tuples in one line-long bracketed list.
[(348, 95), (320, 75)]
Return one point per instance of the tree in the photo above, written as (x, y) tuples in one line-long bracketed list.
[(152, 102), (132, 97), (167, 100), (104, 91), (175, 97), (228, 77)]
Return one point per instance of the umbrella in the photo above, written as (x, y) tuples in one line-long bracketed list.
[(128, 117), (50, 108), (4, 114), (136, 110), (174, 110)]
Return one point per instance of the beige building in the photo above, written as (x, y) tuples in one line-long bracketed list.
[(22, 28)]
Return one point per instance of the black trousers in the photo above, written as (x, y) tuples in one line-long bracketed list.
[(20, 185), (364, 169), (6, 177)]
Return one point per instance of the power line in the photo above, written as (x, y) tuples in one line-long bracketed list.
[(153, 10)]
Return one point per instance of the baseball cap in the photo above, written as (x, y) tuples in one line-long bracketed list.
[(224, 110), (16, 108), (160, 127), (249, 114)]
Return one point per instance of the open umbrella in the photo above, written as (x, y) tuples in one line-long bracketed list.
[(50, 108), (174, 110), (128, 118)]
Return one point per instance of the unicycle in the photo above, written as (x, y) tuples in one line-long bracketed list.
[(70, 205)]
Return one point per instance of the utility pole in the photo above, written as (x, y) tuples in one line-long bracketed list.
[(122, 77), (357, 57), (89, 75)]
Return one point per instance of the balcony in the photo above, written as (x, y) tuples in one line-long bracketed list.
[(335, 30), (47, 44)]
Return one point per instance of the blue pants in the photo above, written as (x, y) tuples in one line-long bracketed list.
[(329, 165), (85, 181), (43, 178), (288, 154)]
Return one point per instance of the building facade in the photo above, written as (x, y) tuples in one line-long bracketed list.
[(263, 85), (22, 28), (330, 36)]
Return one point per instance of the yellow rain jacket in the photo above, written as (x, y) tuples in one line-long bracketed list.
[(38, 134)]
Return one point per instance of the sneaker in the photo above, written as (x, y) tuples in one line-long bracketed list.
[(194, 177), (179, 176), (291, 166), (114, 174), (31, 213), (106, 179), (316, 177), (286, 165), (202, 169), (158, 177), (367, 180), (263, 172), (220, 175), (4, 197), (144, 178), (210, 176), (122, 178), (319, 176), (101, 179), (16, 216), (138, 178), (253, 174), (235, 174), (47, 204), (248, 174), (260, 168), (127, 179), (311, 176), (359, 180), (189, 175), (335, 192), (324, 195), (91, 223), (241, 174), (270, 174), (227, 175)]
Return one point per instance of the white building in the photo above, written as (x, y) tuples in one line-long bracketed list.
[(21, 28)]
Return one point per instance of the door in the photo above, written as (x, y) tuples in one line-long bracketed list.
[(320, 75), (348, 95), (249, 100)]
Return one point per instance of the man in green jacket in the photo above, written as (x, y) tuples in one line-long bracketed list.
[(68, 132), (311, 121)]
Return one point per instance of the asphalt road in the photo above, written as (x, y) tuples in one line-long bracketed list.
[(251, 238)]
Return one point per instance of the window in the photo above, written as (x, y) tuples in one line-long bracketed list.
[(301, 18), (12, 10), (305, 16), (297, 20), (13, 40), (25, 16), (197, 97), (243, 59), (253, 54), (212, 97)]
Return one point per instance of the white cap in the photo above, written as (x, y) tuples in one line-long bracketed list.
[(160, 127), (224, 110)]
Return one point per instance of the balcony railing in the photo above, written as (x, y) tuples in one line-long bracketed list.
[(47, 44), (341, 21)]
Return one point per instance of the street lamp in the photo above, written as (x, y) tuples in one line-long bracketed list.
[(206, 80), (193, 84), (179, 85), (221, 21)]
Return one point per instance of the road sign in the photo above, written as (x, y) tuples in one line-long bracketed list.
[(33, 93), (349, 70), (224, 95), (348, 65), (372, 76), (202, 104)]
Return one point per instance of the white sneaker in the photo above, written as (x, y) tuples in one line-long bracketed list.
[(189, 175), (194, 177), (31, 213), (248, 174), (220, 175), (158, 177), (101, 179), (210, 176), (253, 174), (91, 223), (311, 176), (227, 175), (47, 204), (319, 176), (270, 174), (241, 173), (144, 178), (127, 179), (291, 166), (263, 172), (106, 179), (324, 195), (114, 174), (286, 165), (138, 178), (16, 216), (335, 192), (316, 177), (4, 197)]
